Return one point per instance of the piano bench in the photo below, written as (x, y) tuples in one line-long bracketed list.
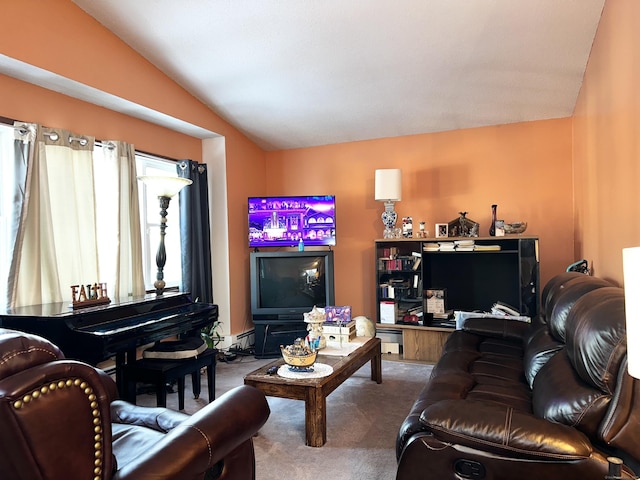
[(160, 372)]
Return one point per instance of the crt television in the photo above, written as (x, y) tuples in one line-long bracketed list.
[(284, 221), (285, 285)]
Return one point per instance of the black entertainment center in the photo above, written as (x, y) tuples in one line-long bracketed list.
[(284, 286)]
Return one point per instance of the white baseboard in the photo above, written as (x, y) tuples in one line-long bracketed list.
[(242, 340)]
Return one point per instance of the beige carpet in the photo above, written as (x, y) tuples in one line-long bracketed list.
[(362, 422)]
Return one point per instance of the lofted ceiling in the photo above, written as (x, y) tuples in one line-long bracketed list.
[(299, 73)]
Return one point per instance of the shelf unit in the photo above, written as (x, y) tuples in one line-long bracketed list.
[(472, 280)]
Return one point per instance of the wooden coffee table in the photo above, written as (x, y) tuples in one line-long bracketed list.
[(314, 391)]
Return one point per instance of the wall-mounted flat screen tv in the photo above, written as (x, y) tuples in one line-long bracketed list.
[(283, 221)]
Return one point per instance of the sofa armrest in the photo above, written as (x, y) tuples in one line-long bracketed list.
[(503, 430), (156, 418), (203, 439), (497, 327)]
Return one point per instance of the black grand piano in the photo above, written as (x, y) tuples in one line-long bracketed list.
[(95, 334)]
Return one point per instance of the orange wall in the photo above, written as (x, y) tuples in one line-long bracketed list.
[(606, 145), (30, 103), (524, 168)]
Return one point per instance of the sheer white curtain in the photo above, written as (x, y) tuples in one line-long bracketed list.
[(66, 197), (119, 236)]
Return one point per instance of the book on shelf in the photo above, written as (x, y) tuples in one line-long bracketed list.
[(465, 245), (487, 248)]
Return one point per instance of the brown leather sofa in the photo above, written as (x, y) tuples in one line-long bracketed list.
[(546, 400), (60, 420)]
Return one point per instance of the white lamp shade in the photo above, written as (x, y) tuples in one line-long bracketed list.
[(164, 186), (631, 267), (389, 184)]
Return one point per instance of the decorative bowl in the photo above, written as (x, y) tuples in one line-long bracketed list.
[(298, 355), (515, 227)]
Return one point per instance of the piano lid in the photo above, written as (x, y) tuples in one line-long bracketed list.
[(95, 333), (64, 309)]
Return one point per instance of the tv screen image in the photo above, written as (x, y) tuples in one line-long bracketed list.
[(285, 285), (283, 221)]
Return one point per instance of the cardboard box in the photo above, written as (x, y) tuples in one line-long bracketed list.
[(390, 347)]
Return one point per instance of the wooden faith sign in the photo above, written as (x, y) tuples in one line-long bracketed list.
[(89, 295)]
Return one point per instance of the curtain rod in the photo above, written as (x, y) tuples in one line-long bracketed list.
[(53, 136), (10, 123)]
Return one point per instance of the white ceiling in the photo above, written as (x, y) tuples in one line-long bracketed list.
[(298, 73)]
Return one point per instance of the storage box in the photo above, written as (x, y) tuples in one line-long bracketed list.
[(339, 337), (333, 328), (390, 347)]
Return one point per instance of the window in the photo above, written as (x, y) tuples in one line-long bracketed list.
[(150, 225), (149, 217)]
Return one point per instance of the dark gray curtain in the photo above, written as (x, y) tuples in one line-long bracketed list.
[(22, 148), (195, 232)]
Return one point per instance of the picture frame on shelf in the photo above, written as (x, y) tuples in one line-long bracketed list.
[(436, 300), (442, 230)]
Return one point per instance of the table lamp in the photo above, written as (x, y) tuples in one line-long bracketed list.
[(164, 187), (388, 189)]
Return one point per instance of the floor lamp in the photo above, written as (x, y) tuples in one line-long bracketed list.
[(164, 188)]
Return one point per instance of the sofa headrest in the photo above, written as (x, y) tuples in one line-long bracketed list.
[(564, 299), (20, 351), (596, 337), (552, 288)]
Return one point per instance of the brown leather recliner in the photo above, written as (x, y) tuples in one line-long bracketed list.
[(61, 420), (551, 400)]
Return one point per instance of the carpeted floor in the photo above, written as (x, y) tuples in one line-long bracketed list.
[(362, 422)]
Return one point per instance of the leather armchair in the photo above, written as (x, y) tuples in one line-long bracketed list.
[(61, 420)]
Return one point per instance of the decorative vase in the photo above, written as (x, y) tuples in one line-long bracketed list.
[(389, 218), (492, 228)]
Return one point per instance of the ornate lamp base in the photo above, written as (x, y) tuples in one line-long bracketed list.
[(389, 218)]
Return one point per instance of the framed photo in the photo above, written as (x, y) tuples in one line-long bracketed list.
[(407, 227), (442, 230), (436, 300)]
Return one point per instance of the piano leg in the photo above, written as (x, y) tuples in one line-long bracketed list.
[(126, 390)]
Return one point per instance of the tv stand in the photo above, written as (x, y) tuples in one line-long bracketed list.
[(270, 334)]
